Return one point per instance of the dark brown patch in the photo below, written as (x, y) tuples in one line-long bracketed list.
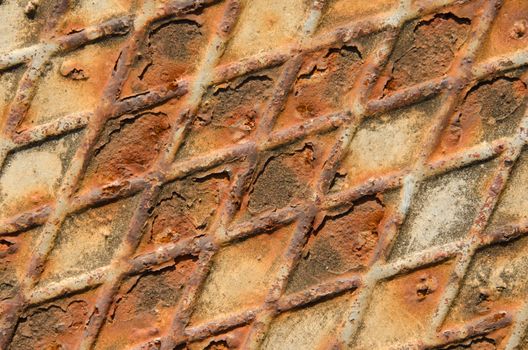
[(128, 147), (171, 51), (426, 49), (176, 40), (145, 306), (185, 209), (228, 114), (322, 85), (491, 109), (282, 179), (55, 325), (342, 244)]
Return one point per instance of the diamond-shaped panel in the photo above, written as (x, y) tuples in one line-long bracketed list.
[(301, 174)]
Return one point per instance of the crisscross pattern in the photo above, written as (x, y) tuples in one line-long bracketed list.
[(252, 174)]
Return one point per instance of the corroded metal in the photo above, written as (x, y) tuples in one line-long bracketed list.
[(264, 174)]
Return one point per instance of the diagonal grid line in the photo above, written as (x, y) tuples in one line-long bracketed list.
[(346, 121)]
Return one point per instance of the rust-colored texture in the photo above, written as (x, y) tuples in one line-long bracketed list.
[(263, 174)]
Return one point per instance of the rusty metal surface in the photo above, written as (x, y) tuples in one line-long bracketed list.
[(243, 174)]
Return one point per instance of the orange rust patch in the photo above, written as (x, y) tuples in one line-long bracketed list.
[(129, 146), (322, 85), (229, 114), (402, 307), (144, 306), (509, 31), (15, 251), (54, 325), (490, 110), (184, 209), (342, 244)]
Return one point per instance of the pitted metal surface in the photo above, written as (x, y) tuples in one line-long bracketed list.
[(263, 174)]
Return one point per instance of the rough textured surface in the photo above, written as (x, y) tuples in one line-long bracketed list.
[(263, 174)]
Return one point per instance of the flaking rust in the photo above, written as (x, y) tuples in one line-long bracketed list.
[(263, 174)]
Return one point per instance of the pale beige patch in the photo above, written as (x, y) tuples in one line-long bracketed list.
[(513, 202), (32, 177), (401, 309), (241, 275), (342, 11), (308, 328), (384, 145), (265, 25), (13, 25), (443, 209), (89, 240), (64, 91), (439, 212), (92, 12)]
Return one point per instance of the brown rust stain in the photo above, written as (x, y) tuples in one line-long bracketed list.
[(128, 147), (490, 110), (54, 325), (425, 50), (144, 306), (509, 31), (231, 340), (229, 113), (341, 244), (184, 209), (322, 85)]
